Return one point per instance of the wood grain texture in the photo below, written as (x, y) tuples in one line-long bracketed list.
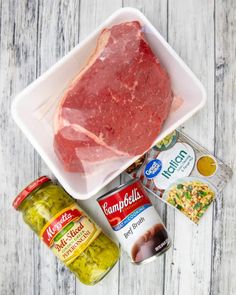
[(92, 13), (224, 230), (36, 34), (17, 70), (136, 282), (58, 32), (191, 33)]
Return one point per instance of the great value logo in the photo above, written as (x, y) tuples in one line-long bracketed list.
[(153, 168)]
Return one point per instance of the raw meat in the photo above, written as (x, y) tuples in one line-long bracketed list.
[(116, 105)]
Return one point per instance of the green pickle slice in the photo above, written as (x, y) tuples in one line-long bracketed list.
[(96, 260)]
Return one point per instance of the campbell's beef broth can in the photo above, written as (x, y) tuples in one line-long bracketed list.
[(135, 221)]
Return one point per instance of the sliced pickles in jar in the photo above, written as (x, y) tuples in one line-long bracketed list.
[(73, 237)]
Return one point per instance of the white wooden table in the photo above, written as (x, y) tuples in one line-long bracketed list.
[(34, 34)]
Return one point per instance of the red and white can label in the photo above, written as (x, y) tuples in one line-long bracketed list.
[(134, 220)]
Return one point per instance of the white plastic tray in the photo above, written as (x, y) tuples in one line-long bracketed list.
[(49, 87)]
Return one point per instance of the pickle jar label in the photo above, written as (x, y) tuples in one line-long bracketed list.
[(69, 233)]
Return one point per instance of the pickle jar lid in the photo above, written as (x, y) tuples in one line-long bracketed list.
[(26, 191)]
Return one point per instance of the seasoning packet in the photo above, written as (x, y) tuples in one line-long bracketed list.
[(182, 173)]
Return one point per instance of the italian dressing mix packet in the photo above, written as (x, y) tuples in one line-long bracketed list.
[(182, 173)]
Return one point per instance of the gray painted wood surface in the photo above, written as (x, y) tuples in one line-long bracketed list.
[(36, 34)]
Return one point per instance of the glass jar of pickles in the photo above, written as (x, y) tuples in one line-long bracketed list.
[(73, 237)]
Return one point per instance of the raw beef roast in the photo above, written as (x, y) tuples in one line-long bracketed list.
[(116, 105)]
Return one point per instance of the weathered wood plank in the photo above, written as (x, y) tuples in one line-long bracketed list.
[(58, 33), (33, 36), (17, 69), (224, 233), (149, 278), (191, 33), (92, 13), (155, 11)]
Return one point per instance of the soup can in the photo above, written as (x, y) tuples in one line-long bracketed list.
[(135, 222)]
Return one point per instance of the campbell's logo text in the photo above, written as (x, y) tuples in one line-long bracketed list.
[(128, 200)]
